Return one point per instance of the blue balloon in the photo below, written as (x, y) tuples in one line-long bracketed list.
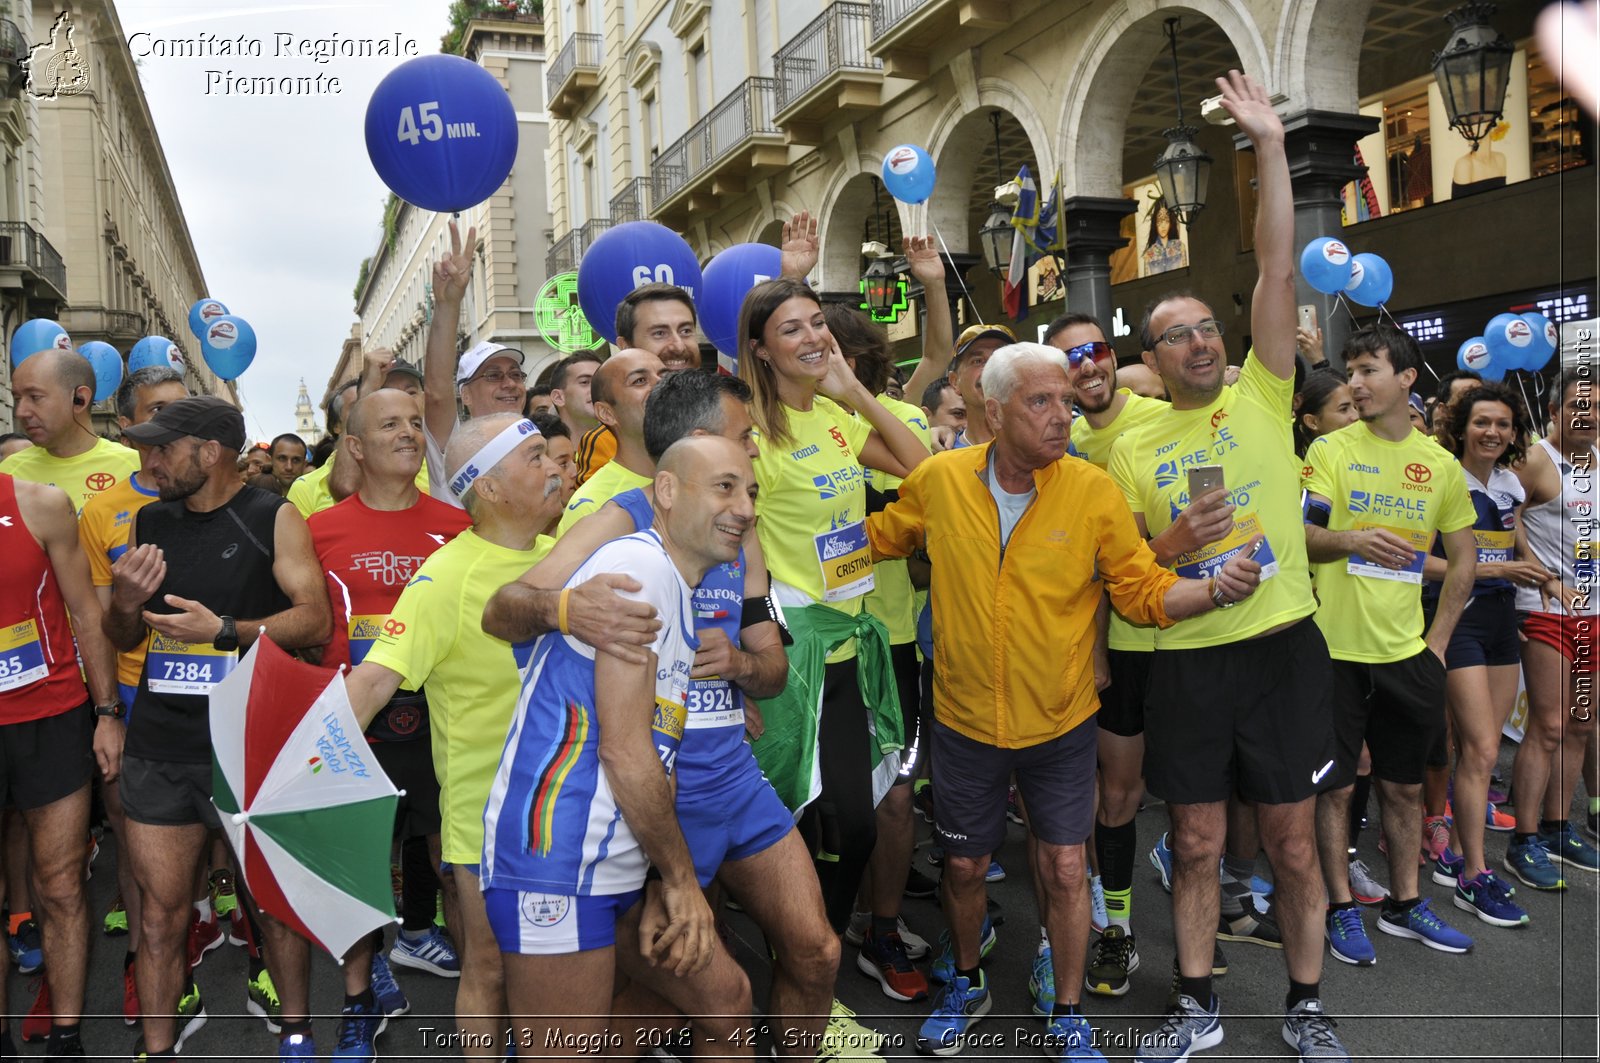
[(1325, 264), (1371, 280), (1506, 351), (727, 279), (908, 173), (40, 334), (1474, 356), (202, 311), (228, 346), (107, 365), (624, 257), (1544, 343), (155, 350), (441, 132)]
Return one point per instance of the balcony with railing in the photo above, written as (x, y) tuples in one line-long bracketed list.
[(903, 31), (564, 254), (574, 73), (116, 327), (590, 231), (13, 48), (736, 141), (28, 258), (826, 70), (632, 203)]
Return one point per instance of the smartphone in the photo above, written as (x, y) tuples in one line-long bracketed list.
[(1203, 479), (1308, 318), (1256, 549)]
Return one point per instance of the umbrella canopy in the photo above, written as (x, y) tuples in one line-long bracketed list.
[(302, 799)]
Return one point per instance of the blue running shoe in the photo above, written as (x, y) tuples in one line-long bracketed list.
[(297, 1046), (1188, 1027), (959, 1006), (1487, 897), (1042, 984), (1448, 868), (1421, 923), (944, 968), (359, 1027), (429, 951), (1309, 1031), (1347, 938), (1567, 846), (27, 947), (996, 873), (1531, 863), (1161, 860), (1070, 1037), (391, 998)]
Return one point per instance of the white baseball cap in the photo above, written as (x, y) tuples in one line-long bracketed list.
[(473, 360)]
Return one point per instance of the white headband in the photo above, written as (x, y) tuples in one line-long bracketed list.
[(491, 454)]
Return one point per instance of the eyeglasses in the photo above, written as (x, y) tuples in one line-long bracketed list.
[(1093, 350), (498, 377), (1178, 335)]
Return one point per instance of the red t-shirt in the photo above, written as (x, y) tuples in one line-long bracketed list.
[(368, 556), (39, 674)]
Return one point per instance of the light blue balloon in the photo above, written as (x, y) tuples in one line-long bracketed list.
[(202, 311), (1325, 264), (228, 346), (155, 350), (1371, 280), (908, 173), (107, 365), (727, 279), (1546, 340), (1474, 355), (1507, 352), (40, 334)]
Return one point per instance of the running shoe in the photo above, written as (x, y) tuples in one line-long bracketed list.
[(944, 968), (1435, 836), (1421, 923), (224, 895), (1498, 794), (922, 798), (1591, 823), (845, 1039), (917, 947), (115, 924), (1013, 807), (1567, 846), (920, 886), (1530, 862), (884, 958), (130, 997), (1042, 983), (69, 1046), (1447, 868), (1254, 928), (191, 1015), (1188, 1027), (1487, 897), (297, 1046), (960, 1005), (1097, 905), (1070, 1037), (1114, 958), (359, 1027), (204, 935), (36, 1024), (93, 851), (1219, 961), (430, 951), (1347, 938), (1363, 887), (1496, 820), (936, 854), (996, 873), (1161, 860), (1308, 1030), (391, 998), (261, 1000), (27, 948)]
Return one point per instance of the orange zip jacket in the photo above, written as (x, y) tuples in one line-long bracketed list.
[(1014, 628)]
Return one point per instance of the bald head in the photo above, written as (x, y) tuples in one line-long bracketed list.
[(53, 390), (705, 502), (621, 386), (388, 401), (67, 370)]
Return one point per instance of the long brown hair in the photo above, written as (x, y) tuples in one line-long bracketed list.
[(766, 408), (861, 339), (1454, 436)]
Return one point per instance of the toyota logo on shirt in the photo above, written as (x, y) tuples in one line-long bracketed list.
[(1418, 473)]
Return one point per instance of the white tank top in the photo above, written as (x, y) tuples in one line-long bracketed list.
[(1561, 533)]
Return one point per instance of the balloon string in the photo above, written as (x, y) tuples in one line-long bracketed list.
[(1383, 312), (934, 226), (1523, 387), (1339, 300)]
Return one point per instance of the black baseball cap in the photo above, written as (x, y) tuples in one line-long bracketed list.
[(204, 417)]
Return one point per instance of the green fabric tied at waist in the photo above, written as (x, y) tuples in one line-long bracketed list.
[(787, 749)]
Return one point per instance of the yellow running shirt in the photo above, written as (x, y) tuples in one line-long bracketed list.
[(310, 493), (813, 510), (434, 640), (82, 476), (891, 599), (1246, 431), (103, 529), (1094, 446), (611, 480), (1413, 488)]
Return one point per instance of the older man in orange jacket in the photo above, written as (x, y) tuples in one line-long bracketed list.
[(1023, 540)]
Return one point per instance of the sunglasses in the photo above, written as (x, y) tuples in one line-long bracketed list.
[(1094, 350)]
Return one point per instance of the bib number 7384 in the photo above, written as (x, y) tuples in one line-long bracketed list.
[(425, 124)]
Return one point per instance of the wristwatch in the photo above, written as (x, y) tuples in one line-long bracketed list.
[(116, 710), (227, 639)]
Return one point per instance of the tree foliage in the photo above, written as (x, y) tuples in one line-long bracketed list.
[(464, 11)]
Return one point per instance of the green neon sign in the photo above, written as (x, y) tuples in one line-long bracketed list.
[(560, 318), (885, 290)]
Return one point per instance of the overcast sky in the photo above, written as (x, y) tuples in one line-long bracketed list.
[(281, 200)]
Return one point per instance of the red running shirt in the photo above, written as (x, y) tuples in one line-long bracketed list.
[(39, 674)]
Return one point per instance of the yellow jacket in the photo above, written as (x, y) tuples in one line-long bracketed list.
[(1014, 629)]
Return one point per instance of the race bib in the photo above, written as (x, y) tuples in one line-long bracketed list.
[(1494, 546), (363, 631), (1209, 559), (1418, 540), (710, 703), (846, 562), (1584, 554), (668, 730), (21, 656), (173, 667)]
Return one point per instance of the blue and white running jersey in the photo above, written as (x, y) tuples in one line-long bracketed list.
[(552, 824)]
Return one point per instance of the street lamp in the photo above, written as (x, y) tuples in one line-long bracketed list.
[(1183, 168), (1473, 71), (881, 286), (997, 234)]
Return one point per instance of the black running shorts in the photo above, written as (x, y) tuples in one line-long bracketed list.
[(1122, 702), (42, 761), (1396, 708)]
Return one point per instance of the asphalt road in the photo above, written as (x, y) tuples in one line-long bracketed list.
[(1521, 994)]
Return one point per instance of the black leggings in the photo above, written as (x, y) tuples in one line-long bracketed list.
[(840, 826)]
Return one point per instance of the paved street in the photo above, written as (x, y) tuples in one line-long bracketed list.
[(1501, 1002)]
